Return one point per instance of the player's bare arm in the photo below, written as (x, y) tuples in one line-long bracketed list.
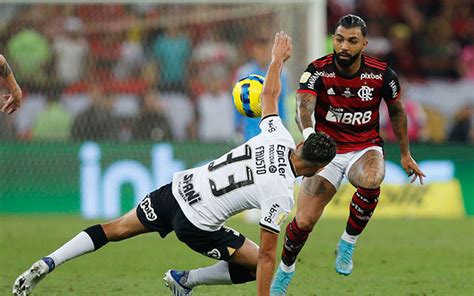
[(398, 118), (281, 51), (12, 101), (305, 104), (266, 261)]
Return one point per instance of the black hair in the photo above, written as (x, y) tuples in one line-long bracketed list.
[(319, 147), (352, 21)]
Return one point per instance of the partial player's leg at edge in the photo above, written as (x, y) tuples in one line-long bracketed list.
[(88, 240)]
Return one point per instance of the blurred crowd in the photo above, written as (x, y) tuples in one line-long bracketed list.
[(149, 72), (421, 40)]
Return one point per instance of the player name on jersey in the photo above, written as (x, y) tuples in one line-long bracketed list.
[(186, 190)]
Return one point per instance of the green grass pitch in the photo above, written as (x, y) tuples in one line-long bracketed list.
[(393, 257)]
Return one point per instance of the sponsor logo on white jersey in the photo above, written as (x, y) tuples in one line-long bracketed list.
[(331, 92), (271, 213), (271, 126), (371, 76), (339, 115), (281, 160), (365, 93), (147, 208)]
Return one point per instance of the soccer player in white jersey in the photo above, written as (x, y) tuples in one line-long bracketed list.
[(258, 174)]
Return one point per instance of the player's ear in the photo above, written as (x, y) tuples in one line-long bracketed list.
[(365, 42), (300, 144), (299, 148)]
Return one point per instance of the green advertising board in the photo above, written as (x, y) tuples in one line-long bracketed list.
[(106, 179)]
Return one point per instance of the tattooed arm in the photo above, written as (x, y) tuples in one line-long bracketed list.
[(398, 118), (305, 103), (11, 101)]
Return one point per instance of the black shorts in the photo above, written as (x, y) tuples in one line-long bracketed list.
[(159, 211)]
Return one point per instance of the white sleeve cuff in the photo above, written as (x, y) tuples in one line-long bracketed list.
[(308, 131)]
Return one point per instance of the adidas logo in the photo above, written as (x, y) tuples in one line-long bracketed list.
[(331, 92)]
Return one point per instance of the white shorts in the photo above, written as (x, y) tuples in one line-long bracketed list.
[(341, 164)]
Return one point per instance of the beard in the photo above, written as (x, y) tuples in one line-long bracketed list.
[(346, 63)]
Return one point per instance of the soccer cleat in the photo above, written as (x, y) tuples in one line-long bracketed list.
[(174, 280), (280, 282), (344, 252), (26, 282)]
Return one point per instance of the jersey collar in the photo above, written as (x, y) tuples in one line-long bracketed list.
[(291, 163)]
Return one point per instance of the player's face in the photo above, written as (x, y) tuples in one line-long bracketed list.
[(348, 44)]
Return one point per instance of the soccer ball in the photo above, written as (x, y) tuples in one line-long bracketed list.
[(246, 95)]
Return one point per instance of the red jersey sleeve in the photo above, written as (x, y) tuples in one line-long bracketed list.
[(391, 86), (310, 81)]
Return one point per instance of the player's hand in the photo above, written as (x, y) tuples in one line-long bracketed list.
[(282, 47), (411, 168), (11, 102)]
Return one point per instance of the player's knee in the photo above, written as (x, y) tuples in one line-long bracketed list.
[(306, 222), (308, 216), (372, 180), (117, 230)]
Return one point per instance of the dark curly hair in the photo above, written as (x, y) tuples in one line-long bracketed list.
[(352, 21), (319, 147)]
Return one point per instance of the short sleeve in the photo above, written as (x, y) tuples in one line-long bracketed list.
[(310, 80), (271, 125), (391, 86), (274, 212)]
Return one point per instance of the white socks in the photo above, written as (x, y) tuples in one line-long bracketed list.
[(217, 274), (349, 238), (287, 268), (79, 245)]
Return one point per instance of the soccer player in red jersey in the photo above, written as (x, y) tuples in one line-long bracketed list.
[(344, 90)]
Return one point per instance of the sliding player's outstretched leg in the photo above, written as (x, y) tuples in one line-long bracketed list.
[(235, 267), (88, 240)]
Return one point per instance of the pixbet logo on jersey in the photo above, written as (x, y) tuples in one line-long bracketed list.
[(339, 115), (311, 78), (370, 76)]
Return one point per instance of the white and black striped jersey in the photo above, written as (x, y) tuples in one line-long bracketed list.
[(257, 174)]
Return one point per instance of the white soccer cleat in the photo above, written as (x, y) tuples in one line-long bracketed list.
[(26, 282), (174, 281)]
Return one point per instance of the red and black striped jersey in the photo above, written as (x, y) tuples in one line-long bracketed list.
[(347, 108)]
